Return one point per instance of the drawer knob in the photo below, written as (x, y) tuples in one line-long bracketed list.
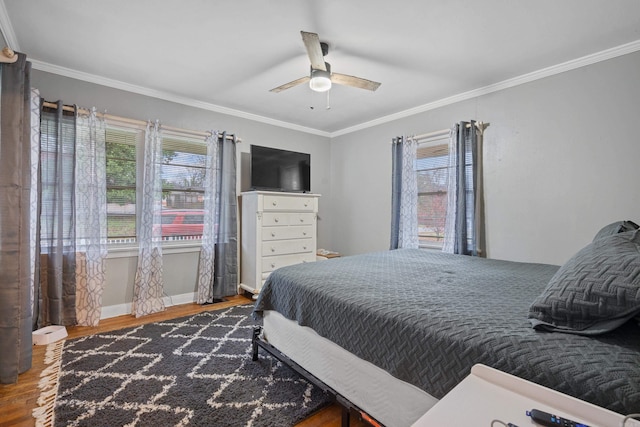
[(273, 265), (304, 247), (301, 219), (275, 203), (276, 220), (273, 249), (304, 233), (273, 234), (306, 204)]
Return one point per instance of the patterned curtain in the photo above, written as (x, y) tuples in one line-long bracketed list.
[(207, 251), (464, 227), (404, 194), (34, 258), (217, 270), (15, 187), (91, 217), (148, 285)]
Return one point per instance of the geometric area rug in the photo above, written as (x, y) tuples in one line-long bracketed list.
[(191, 371)]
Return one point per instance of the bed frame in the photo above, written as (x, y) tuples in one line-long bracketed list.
[(348, 408)]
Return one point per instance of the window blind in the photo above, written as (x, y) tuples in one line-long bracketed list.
[(432, 169)]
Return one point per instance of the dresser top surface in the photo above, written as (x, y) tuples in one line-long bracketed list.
[(279, 193)]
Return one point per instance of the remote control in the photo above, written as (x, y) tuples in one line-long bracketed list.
[(550, 420)]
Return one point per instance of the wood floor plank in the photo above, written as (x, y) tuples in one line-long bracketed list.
[(17, 401)]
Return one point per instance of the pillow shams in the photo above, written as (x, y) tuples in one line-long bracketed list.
[(615, 228), (596, 291)]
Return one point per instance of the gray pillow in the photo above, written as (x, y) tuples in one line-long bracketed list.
[(615, 228), (596, 291)]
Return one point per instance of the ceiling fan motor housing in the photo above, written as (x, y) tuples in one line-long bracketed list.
[(327, 66), (321, 79), (325, 48)]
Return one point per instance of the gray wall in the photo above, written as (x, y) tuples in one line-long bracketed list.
[(561, 160), (180, 266)]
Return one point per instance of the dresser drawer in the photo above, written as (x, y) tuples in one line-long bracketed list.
[(284, 233), (281, 247), (287, 218), (284, 203), (278, 229), (273, 262)]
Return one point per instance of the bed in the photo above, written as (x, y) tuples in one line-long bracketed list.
[(394, 331)]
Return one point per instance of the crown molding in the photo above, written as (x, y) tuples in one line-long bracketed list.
[(167, 96), (505, 84), (7, 29)]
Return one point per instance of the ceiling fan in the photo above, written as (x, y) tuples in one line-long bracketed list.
[(321, 77)]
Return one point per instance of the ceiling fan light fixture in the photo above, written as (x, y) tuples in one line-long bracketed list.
[(320, 80), (320, 77)]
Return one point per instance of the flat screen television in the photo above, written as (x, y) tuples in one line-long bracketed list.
[(273, 169)]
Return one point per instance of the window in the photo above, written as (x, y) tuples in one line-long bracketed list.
[(121, 154), (432, 168), (57, 169), (182, 173)]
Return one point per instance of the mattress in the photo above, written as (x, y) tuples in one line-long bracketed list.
[(426, 318), (384, 397)]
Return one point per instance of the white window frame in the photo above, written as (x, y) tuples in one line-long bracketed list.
[(197, 147), (431, 143), (138, 137), (130, 248)]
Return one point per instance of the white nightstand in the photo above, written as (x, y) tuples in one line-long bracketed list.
[(488, 394)]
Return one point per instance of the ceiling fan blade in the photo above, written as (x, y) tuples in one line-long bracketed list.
[(343, 79), (314, 50), (289, 85)]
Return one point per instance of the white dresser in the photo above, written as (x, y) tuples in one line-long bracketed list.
[(278, 229)]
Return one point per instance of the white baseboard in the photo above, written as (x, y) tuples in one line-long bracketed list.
[(169, 300)]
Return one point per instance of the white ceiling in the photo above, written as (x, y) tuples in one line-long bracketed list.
[(225, 55)]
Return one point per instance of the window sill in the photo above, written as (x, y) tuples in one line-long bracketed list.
[(126, 251), (431, 248)]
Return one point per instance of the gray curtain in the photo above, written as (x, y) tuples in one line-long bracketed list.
[(404, 194), (226, 259), (56, 293), (218, 268), (464, 229), (396, 189), (15, 186)]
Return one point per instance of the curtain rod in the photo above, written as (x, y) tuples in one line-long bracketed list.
[(134, 121), (480, 125), (8, 56)]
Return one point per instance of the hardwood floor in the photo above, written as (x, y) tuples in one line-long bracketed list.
[(18, 400)]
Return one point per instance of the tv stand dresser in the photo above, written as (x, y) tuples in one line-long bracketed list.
[(277, 229)]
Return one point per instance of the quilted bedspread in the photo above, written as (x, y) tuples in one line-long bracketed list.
[(427, 317)]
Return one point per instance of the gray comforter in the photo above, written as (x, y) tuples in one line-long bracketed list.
[(428, 317)]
